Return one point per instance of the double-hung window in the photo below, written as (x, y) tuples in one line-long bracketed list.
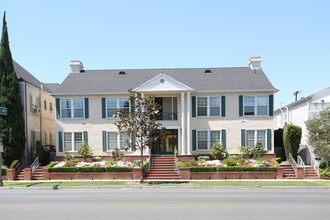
[(116, 139), (256, 105), (124, 139), (112, 140), (72, 108), (205, 139), (72, 140), (114, 103), (202, 137), (253, 136), (208, 106)]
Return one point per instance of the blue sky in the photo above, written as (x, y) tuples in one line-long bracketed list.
[(292, 37)]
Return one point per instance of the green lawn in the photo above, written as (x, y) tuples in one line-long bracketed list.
[(164, 183)]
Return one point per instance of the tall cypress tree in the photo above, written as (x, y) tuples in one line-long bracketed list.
[(11, 125)]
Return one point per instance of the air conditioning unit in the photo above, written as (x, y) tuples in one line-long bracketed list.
[(36, 110)]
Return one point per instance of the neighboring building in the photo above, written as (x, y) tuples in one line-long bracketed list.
[(299, 112), (38, 111), (199, 106)]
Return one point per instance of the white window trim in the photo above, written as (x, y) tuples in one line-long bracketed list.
[(118, 141), (72, 140), (208, 139), (255, 106), (256, 136), (117, 107), (72, 108), (208, 107)]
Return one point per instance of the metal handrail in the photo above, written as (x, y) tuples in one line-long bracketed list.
[(292, 163), (35, 165), (301, 163), (176, 164), (18, 165), (316, 166)]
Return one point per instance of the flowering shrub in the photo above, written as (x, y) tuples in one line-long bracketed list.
[(93, 164), (236, 163)]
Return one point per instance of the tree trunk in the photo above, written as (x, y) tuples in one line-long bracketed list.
[(142, 146)]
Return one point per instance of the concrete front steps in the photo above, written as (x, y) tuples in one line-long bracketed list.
[(162, 168)]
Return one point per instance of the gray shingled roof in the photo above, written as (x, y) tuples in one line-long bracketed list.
[(28, 77), (52, 86), (221, 79)]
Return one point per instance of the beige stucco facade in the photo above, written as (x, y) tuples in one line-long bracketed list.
[(232, 123), (39, 117)]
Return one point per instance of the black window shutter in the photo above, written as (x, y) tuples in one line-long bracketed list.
[(240, 105), (193, 103), (223, 106), (86, 108), (58, 110)]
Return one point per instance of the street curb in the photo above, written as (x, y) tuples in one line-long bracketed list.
[(156, 187)]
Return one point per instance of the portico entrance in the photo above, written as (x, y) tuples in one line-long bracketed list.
[(167, 143)]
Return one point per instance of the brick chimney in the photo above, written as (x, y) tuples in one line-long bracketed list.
[(76, 66), (255, 63)]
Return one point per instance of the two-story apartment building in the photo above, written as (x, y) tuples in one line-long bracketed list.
[(38, 111), (200, 106), (298, 113)]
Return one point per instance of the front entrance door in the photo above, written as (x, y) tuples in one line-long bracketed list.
[(167, 143)]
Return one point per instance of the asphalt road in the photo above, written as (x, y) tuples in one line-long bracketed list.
[(177, 203)]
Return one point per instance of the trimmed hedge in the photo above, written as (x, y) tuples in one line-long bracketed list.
[(3, 172), (232, 169), (63, 169), (119, 169), (90, 169), (203, 169)]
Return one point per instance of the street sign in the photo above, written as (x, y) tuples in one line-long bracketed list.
[(3, 111), (1, 147)]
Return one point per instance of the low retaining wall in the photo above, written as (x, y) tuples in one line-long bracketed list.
[(91, 176), (232, 175), (136, 174)]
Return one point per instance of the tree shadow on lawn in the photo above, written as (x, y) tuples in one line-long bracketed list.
[(41, 183)]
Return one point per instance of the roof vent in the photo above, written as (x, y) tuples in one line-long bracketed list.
[(122, 73), (208, 71)]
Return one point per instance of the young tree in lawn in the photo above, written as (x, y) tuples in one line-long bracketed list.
[(319, 135), (140, 122), (12, 125)]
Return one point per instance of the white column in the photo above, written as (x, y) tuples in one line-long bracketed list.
[(188, 124), (183, 127)]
